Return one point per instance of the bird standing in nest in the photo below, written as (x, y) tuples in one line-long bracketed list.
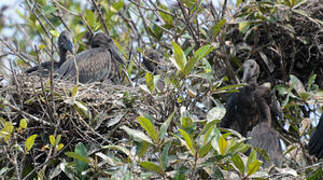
[(249, 113), (65, 44), (96, 64)]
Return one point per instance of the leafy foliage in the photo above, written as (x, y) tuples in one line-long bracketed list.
[(166, 127)]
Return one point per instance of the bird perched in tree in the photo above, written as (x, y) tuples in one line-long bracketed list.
[(65, 44), (315, 146), (249, 113), (96, 64)]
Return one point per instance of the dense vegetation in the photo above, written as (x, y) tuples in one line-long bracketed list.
[(163, 124)]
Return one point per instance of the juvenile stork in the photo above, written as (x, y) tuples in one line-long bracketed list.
[(65, 44), (249, 113), (99, 63)]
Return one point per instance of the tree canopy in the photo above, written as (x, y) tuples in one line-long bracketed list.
[(183, 60)]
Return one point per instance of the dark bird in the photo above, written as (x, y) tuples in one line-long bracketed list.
[(315, 146), (65, 44), (96, 64), (249, 113)]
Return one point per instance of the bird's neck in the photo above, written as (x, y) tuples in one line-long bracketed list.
[(62, 56)]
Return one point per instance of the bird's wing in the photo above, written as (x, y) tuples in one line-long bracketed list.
[(93, 65), (45, 66)]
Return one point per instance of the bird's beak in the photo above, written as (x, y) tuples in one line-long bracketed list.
[(69, 46), (116, 54), (245, 75)]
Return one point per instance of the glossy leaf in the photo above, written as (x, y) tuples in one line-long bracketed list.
[(222, 145), (238, 163), (59, 147), (52, 140), (23, 123), (143, 148), (30, 142), (74, 91), (118, 148), (179, 56), (253, 167), (149, 77), (244, 26), (217, 28), (204, 150), (149, 127), (164, 157), (198, 55), (77, 156), (152, 167), (54, 33), (138, 135), (188, 141)]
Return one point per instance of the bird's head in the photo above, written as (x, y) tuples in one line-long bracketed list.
[(251, 71), (100, 39), (65, 42)]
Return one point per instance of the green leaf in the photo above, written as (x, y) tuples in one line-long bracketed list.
[(208, 132), (118, 148), (52, 140), (198, 55), (244, 26), (204, 150), (296, 84), (238, 163), (90, 18), (215, 113), (311, 81), (217, 28), (187, 122), (149, 127), (23, 123), (252, 164), (82, 109), (59, 147), (48, 9), (138, 135), (152, 167), (54, 33), (163, 159), (166, 17), (165, 125), (238, 3), (222, 145), (81, 150), (188, 141), (180, 58), (30, 142), (150, 81), (3, 171), (75, 155), (74, 91), (253, 167), (143, 148), (118, 5)]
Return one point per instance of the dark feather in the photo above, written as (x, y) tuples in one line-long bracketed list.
[(96, 64), (315, 146), (249, 113), (266, 138), (65, 44)]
